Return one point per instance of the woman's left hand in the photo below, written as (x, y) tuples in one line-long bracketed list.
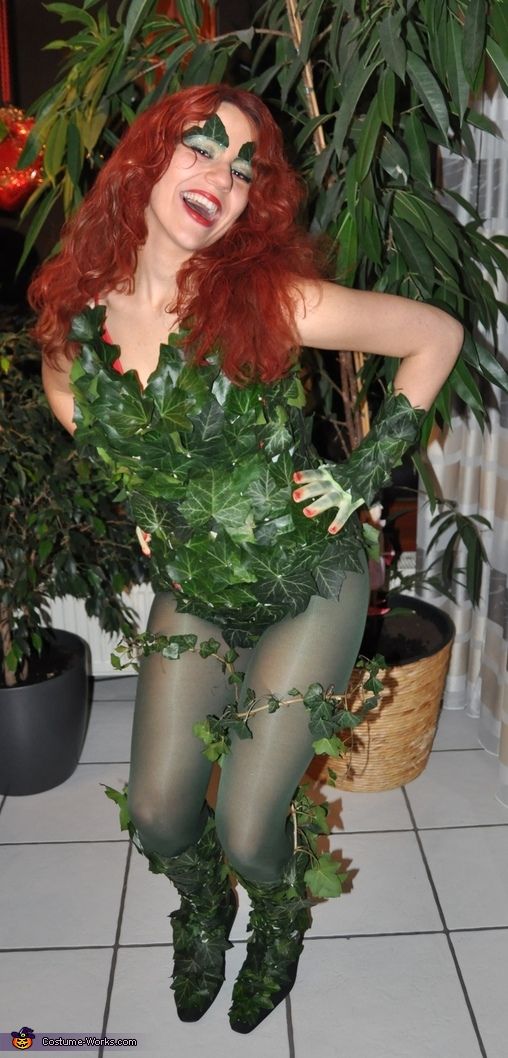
[(320, 484)]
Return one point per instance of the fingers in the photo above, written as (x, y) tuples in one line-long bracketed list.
[(308, 491), (323, 503), (307, 477), (344, 512)]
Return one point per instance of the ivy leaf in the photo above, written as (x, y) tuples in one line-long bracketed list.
[(324, 880), (266, 497), (329, 577), (213, 129), (247, 151), (208, 496), (273, 703), (295, 394), (171, 403), (225, 562), (120, 799), (209, 647), (332, 747), (280, 583)]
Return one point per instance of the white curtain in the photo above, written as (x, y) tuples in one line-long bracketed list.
[(472, 468)]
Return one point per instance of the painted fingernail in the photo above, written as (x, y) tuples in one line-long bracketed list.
[(333, 529), (308, 511), (296, 475), (297, 495)]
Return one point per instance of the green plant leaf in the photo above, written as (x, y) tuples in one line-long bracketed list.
[(386, 97), (136, 13), (55, 147), (75, 153), (368, 140), (349, 101), (332, 747), (499, 61), (392, 45), (457, 80), (71, 13), (428, 91), (414, 251), (36, 224), (498, 16), (324, 880), (30, 150), (473, 37), (465, 386), (189, 13), (309, 28)]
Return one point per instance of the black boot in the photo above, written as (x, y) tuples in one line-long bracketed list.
[(279, 918), (202, 925)]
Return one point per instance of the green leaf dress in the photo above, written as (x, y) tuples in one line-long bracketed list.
[(205, 466)]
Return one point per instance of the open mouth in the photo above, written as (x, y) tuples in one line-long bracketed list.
[(202, 207)]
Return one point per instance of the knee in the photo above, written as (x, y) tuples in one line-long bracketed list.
[(250, 853), (159, 830)]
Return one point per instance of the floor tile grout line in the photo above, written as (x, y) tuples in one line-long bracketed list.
[(451, 948), (335, 833), (66, 841), (458, 749), (290, 1029), (114, 954), (423, 830), (135, 945)]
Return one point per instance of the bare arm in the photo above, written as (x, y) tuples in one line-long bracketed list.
[(426, 339), (58, 391)]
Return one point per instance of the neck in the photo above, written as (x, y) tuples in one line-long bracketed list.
[(157, 269)]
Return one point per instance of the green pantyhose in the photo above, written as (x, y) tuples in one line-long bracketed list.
[(169, 772)]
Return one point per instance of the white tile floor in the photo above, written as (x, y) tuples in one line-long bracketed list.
[(411, 962)]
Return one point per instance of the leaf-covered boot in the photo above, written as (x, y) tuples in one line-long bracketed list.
[(278, 920), (202, 925)]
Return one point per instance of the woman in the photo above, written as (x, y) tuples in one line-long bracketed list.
[(191, 224)]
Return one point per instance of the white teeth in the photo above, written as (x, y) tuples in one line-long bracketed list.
[(204, 203)]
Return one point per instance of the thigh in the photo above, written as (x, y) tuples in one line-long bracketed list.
[(320, 645), (167, 761)]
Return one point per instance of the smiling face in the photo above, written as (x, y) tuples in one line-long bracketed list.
[(206, 185)]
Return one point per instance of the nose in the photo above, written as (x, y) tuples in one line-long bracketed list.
[(220, 175)]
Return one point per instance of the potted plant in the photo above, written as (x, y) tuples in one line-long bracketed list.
[(62, 533)]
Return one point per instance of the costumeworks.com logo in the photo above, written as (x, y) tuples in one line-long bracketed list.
[(24, 1038)]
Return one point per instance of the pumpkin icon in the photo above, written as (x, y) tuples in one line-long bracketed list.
[(23, 1039)]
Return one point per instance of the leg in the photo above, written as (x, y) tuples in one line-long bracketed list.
[(169, 774), (167, 786), (261, 774), (259, 778)]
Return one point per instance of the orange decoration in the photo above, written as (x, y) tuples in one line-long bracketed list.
[(16, 185)]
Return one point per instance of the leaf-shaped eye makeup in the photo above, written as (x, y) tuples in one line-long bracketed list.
[(213, 129)]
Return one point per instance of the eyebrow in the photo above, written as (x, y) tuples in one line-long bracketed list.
[(243, 164)]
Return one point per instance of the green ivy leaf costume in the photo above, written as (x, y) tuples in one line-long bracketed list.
[(206, 467)]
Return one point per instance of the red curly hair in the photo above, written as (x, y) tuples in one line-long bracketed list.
[(238, 292)]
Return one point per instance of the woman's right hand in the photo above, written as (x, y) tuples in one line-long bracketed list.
[(326, 492)]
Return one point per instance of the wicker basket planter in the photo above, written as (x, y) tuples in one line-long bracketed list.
[(391, 747)]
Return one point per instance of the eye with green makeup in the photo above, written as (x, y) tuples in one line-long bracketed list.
[(211, 139)]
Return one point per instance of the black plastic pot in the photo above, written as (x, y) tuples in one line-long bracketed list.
[(42, 725)]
